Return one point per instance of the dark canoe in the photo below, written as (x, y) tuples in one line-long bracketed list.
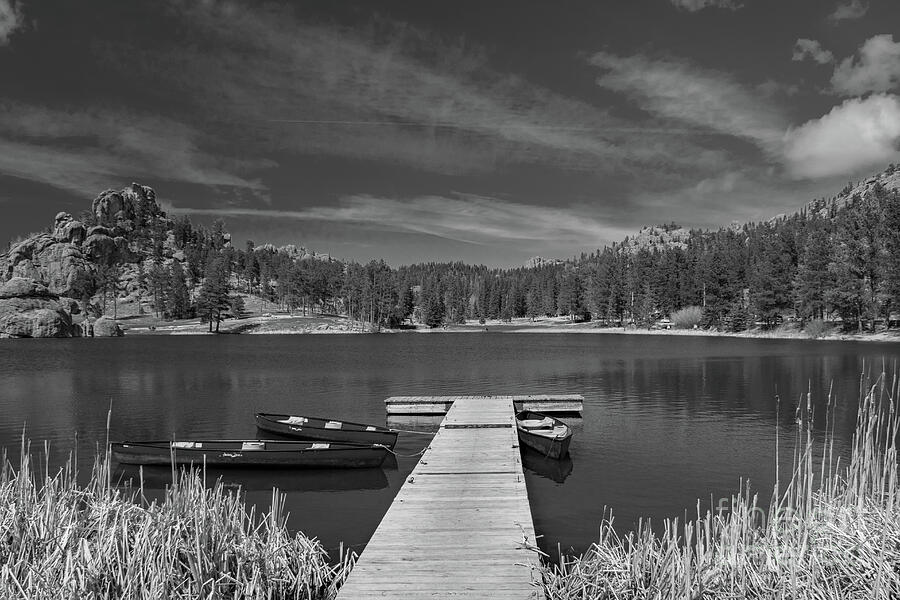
[(315, 428), (251, 453), (545, 434)]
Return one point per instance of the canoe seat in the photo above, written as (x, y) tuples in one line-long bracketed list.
[(318, 446), (253, 446), (536, 423), (187, 445), (333, 425), (294, 420), (370, 428)]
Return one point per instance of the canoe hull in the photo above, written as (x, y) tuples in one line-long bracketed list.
[(551, 447), (380, 435), (301, 457)]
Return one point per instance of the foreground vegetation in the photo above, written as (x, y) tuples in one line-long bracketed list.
[(59, 539), (833, 533)]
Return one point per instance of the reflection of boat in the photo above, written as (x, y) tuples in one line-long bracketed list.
[(556, 469), (424, 423), (315, 428), (266, 453), (314, 480), (548, 435)]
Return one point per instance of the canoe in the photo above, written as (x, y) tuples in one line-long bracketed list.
[(255, 453), (315, 428), (547, 435)]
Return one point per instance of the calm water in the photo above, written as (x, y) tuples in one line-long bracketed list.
[(667, 420)]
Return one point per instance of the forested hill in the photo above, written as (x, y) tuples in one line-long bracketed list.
[(834, 258)]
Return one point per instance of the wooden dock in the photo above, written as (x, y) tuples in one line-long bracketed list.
[(460, 527), (439, 405)]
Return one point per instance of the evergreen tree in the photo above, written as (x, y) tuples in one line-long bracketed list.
[(214, 301), (178, 301)]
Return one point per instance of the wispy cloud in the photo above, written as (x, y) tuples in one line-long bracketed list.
[(707, 99), (858, 134), (875, 69), (854, 9), (805, 48), (389, 93), (11, 19), (461, 217), (695, 5), (85, 149)]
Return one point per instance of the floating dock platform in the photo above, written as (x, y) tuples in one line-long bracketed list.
[(460, 527), (439, 405)]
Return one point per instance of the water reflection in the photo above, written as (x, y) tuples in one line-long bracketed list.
[(667, 420)]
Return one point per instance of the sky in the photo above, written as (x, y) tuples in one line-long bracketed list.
[(415, 130)]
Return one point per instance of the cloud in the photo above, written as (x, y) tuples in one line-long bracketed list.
[(854, 9), (388, 93), (11, 19), (858, 134), (83, 150), (806, 48), (876, 69), (695, 5), (461, 217), (710, 100)]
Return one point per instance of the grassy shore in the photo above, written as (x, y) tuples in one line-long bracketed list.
[(60, 539), (829, 534)]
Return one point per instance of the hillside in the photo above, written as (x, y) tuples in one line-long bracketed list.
[(836, 260)]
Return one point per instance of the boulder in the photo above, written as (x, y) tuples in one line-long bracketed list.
[(117, 210), (106, 327), (29, 309), (59, 265), (67, 229)]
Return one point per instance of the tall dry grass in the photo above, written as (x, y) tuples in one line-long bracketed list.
[(832, 532), (62, 540)]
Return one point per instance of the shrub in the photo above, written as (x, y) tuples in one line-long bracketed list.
[(686, 318), (817, 328)]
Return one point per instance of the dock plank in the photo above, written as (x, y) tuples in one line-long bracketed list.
[(460, 526)]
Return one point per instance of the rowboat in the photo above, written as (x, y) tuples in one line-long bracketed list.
[(547, 435), (257, 453), (315, 428)]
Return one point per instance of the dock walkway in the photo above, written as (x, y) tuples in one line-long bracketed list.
[(460, 527), (438, 405)]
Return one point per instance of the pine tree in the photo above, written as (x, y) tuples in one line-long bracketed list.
[(178, 301), (214, 301)]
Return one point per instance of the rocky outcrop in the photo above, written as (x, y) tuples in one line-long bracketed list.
[(66, 260), (59, 265), (29, 310), (106, 327)]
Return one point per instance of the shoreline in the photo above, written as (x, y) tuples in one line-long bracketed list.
[(286, 324)]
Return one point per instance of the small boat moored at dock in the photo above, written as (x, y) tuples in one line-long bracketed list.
[(316, 428), (547, 435), (257, 453)]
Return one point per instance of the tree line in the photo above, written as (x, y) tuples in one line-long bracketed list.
[(831, 260)]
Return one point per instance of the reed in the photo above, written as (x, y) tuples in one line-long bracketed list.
[(62, 539), (832, 532)]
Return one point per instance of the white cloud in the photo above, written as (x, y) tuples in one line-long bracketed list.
[(707, 99), (695, 5), (11, 19), (854, 9), (462, 218), (858, 134), (806, 48), (877, 68)]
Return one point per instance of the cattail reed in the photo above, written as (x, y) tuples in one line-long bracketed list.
[(62, 539), (828, 534)]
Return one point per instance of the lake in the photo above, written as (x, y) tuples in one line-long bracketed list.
[(667, 420)]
